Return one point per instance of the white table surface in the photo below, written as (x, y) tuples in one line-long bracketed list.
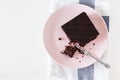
[(22, 52)]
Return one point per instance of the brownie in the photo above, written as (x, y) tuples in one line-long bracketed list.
[(70, 50), (80, 29)]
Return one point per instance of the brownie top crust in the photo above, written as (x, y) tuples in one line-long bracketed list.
[(80, 29)]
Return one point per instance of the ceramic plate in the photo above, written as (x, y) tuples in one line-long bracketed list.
[(53, 31)]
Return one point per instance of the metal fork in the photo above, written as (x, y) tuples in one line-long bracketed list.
[(88, 53)]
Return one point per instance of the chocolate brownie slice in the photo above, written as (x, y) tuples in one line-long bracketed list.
[(81, 30)]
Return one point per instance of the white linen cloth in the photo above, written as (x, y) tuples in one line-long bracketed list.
[(58, 72)]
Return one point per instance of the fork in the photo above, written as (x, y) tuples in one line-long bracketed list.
[(88, 53)]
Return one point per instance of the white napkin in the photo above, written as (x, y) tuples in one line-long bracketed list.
[(58, 72)]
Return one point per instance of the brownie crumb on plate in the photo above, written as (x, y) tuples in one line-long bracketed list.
[(76, 57), (60, 38), (70, 51), (93, 43)]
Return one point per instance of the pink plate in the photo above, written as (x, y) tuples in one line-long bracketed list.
[(53, 31)]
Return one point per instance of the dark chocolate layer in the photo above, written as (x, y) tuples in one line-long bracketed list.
[(80, 29)]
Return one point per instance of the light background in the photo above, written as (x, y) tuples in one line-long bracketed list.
[(22, 53)]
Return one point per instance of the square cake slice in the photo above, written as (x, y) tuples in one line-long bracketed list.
[(80, 29)]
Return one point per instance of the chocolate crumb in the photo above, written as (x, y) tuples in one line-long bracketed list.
[(90, 48), (60, 38), (79, 61), (62, 52), (82, 56), (76, 57), (93, 43)]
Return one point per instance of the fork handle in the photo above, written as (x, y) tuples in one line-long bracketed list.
[(100, 61), (87, 53)]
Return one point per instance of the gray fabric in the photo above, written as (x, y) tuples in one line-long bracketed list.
[(106, 19), (86, 73), (90, 3)]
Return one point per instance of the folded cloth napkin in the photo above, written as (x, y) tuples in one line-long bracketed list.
[(93, 72)]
